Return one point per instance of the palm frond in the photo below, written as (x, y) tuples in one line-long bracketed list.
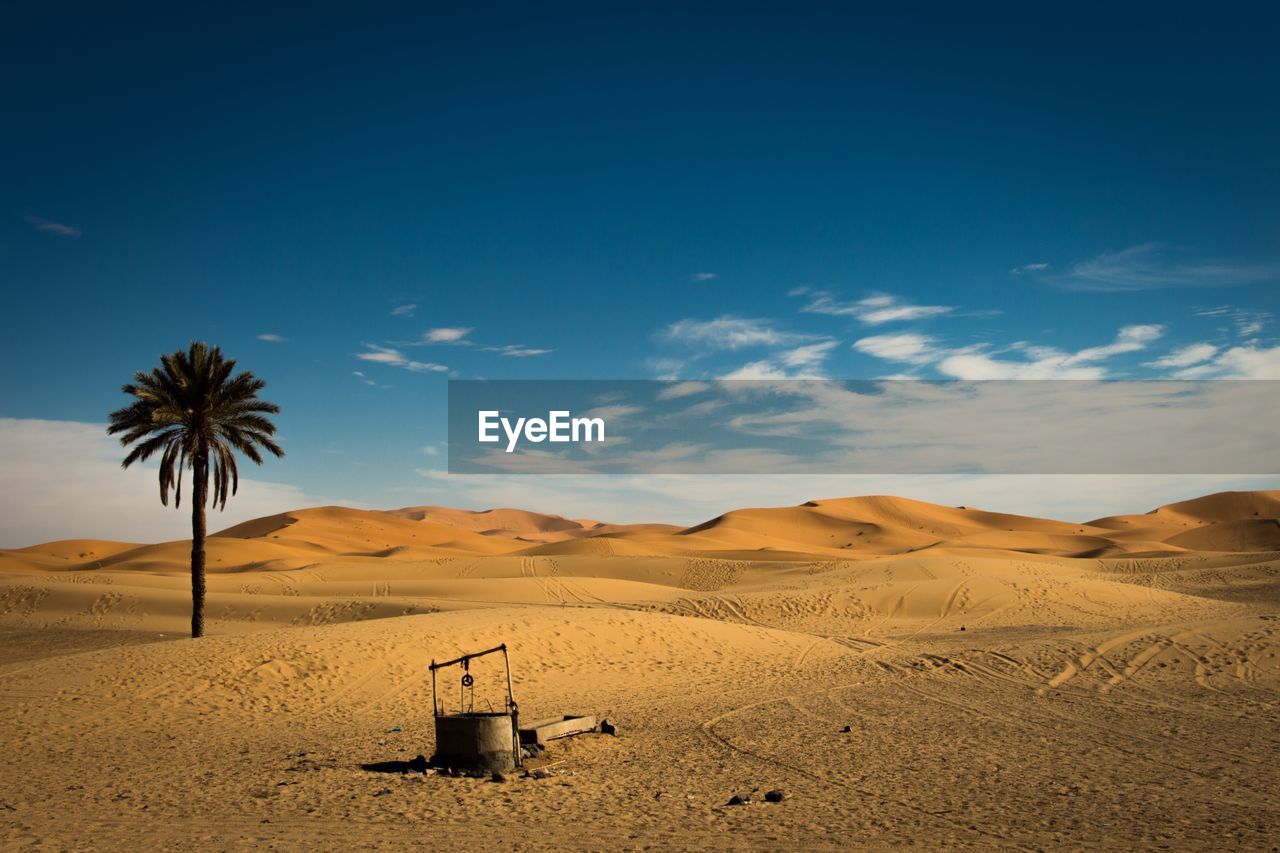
[(196, 412)]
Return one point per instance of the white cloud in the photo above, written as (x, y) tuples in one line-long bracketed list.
[(1252, 325), (1246, 321), (906, 347), (1046, 362), (976, 362), (445, 335), (730, 333), (365, 379), (757, 370), (1152, 265), (978, 365), (404, 310), (767, 369), (1244, 362), (614, 412), (682, 389), (1129, 339), (873, 310), (49, 227), (809, 355), (1002, 427), (62, 480), (270, 338), (1029, 268), (457, 336), (517, 351), (382, 355), (395, 358), (803, 362), (704, 276), (1185, 356), (795, 356), (668, 369)]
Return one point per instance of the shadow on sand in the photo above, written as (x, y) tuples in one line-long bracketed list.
[(416, 765)]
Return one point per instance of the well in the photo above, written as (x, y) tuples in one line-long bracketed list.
[(475, 741), (471, 739)]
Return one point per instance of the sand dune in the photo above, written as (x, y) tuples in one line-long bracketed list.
[(63, 554), (844, 528), (1255, 534), (1004, 681), (524, 525)]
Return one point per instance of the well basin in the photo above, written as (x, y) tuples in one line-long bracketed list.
[(476, 741)]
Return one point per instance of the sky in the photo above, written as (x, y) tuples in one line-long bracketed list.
[(360, 203)]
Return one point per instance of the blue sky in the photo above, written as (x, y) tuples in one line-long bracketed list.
[(628, 192)]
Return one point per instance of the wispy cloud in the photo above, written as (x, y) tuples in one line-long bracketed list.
[(446, 335), (795, 354), (460, 336), (517, 350), (614, 411), (1243, 362), (1185, 356), (981, 365), (271, 338), (51, 227), (704, 276), (1152, 265), (1129, 339), (872, 310), (809, 355), (665, 368), (730, 333), (683, 389), (758, 370), (1029, 268), (1034, 362), (404, 310), (1047, 362), (1245, 321), (395, 358), (908, 347), (365, 379), (803, 362)]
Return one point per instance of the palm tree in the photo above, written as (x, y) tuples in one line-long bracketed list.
[(194, 413)]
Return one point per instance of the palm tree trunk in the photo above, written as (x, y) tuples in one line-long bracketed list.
[(198, 489)]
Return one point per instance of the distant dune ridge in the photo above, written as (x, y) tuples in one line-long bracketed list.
[(839, 528)]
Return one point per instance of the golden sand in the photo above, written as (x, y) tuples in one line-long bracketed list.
[(1006, 681)]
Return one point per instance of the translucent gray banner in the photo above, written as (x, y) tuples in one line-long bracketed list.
[(863, 427)]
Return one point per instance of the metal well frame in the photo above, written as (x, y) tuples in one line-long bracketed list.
[(467, 682)]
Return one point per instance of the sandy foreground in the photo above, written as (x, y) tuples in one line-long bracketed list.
[(1005, 681)]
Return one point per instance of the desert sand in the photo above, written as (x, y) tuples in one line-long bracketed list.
[(906, 673)]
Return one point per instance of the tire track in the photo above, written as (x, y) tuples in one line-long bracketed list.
[(708, 728)]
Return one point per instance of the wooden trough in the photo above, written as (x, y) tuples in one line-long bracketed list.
[(541, 731)]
